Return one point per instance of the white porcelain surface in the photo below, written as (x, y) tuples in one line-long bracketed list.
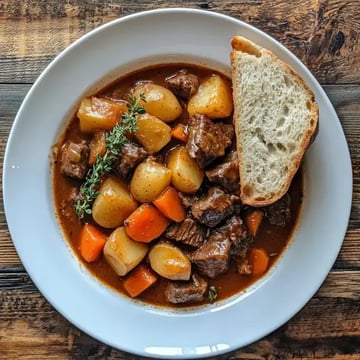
[(169, 35)]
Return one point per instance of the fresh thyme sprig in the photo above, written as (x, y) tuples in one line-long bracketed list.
[(115, 139)]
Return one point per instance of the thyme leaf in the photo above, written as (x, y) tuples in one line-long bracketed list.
[(212, 294), (115, 139)]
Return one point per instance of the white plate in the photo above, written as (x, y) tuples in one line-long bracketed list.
[(130, 42)]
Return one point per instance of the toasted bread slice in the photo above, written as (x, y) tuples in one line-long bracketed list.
[(275, 118)]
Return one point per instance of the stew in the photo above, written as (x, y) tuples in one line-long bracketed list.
[(164, 222)]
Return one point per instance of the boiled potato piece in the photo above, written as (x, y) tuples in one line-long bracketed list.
[(149, 179), (99, 114), (113, 204), (152, 133), (213, 98), (160, 101), (186, 173), (123, 253), (169, 261)]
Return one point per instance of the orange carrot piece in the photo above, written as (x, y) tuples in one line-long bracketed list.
[(169, 203), (253, 221), (97, 146), (92, 242), (180, 132), (259, 260), (146, 223), (139, 280)]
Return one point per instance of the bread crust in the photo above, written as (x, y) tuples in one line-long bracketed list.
[(242, 45)]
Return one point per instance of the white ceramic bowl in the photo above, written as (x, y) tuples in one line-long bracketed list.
[(169, 35)]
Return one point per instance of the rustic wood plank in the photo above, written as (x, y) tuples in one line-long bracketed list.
[(324, 34), (27, 321)]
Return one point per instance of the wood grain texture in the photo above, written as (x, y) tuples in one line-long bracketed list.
[(320, 32)]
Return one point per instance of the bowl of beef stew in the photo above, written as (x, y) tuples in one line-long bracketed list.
[(213, 241)]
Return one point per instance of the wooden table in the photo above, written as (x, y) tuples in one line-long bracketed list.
[(324, 34)]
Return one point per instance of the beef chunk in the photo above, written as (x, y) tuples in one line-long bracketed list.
[(74, 159), (236, 230), (214, 207), (189, 232), (183, 84), (226, 174), (207, 140), (180, 292), (212, 258), (130, 156), (278, 213), (187, 200)]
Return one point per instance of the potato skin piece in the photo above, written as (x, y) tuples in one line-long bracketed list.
[(213, 98), (122, 253), (152, 133), (149, 179), (160, 101), (186, 176), (113, 204), (99, 114), (169, 261)]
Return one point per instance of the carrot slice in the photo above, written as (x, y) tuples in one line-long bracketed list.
[(92, 242), (139, 280), (259, 260), (146, 223), (179, 132), (169, 203), (253, 221)]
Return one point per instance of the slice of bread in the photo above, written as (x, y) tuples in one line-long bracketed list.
[(275, 118)]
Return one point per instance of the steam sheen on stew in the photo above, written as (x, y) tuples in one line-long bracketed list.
[(170, 226)]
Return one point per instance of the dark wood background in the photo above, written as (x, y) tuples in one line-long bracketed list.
[(324, 34)]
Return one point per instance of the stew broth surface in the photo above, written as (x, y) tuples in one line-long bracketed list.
[(272, 238)]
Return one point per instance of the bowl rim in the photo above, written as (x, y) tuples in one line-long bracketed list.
[(7, 170)]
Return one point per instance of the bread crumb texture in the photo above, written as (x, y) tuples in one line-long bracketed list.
[(274, 108)]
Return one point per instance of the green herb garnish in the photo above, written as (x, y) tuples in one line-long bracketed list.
[(115, 139), (212, 294)]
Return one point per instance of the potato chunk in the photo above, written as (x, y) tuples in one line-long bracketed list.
[(149, 179), (213, 98), (186, 173), (152, 133), (169, 261), (123, 253), (99, 114), (160, 101), (113, 204)]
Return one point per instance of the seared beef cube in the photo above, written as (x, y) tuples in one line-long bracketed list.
[(183, 84), (236, 230), (130, 156), (278, 213), (189, 232), (214, 207), (187, 200), (226, 174), (212, 258), (74, 159), (180, 292), (208, 140)]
